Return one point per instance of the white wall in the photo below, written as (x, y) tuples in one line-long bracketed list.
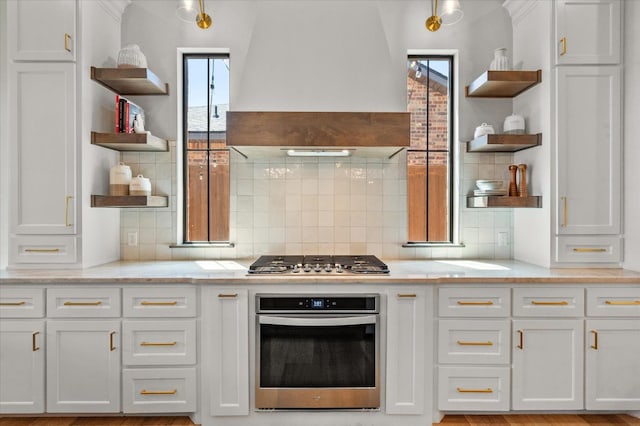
[(631, 143), (320, 55), (4, 140)]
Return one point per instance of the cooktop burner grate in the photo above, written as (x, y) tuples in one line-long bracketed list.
[(318, 264)]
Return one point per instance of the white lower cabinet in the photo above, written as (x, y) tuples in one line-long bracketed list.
[(227, 327), (406, 355), (473, 388), (83, 366), (159, 390), (547, 365), (22, 349)]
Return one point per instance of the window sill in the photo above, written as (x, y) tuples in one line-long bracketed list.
[(221, 244), (438, 245)]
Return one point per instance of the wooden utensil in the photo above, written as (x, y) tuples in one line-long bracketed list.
[(513, 187)]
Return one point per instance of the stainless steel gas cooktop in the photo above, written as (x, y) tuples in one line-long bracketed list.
[(318, 265)]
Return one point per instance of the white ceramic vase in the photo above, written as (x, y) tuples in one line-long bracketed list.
[(500, 60)]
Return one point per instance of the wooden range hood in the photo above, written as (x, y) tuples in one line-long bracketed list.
[(275, 133)]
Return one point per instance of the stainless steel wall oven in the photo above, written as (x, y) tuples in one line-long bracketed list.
[(317, 351)]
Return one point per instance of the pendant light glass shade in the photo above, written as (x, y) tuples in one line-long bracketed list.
[(186, 11), (451, 12)]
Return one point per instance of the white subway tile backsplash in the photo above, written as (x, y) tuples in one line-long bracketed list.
[(315, 205)]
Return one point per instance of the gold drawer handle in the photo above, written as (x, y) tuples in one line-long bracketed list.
[(34, 345), (563, 42), (33, 250), (595, 340), (560, 303), (230, 296), (521, 340), (82, 303), (589, 250), (462, 390), (67, 39), (158, 343), (463, 343), (479, 303), (407, 295), (145, 303), (13, 303), (66, 209), (111, 345), (622, 302), (159, 392)]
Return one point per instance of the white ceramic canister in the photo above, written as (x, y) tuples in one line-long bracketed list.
[(119, 179), (514, 124), (140, 185), (483, 129), (500, 60)]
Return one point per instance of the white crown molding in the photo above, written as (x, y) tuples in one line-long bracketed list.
[(518, 9), (115, 7)]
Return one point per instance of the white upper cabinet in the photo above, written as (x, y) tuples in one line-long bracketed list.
[(588, 150), (42, 30), (587, 32)]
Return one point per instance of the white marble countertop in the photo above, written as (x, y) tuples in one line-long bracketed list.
[(222, 272)]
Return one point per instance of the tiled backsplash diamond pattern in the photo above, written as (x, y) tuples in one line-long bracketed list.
[(314, 205)]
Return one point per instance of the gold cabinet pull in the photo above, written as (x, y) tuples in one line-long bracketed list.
[(146, 303), (478, 303), (595, 340), (521, 340), (564, 211), (13, 303), (229, 295), (622, 302), (563, 43), (158, 392), (158, 343), (408, 295), (463, 343), (66, 210), (34, 345), (111, 346), (34, 250), (558, 303), (462, 390), (96, 303), (67, 39), (589, 250)]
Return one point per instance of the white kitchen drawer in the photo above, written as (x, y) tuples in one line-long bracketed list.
[(72, 302), (548, 302), (474, 302), (147, 302), (589, 249), (159, 342), (159, 390), (613, 302), (21, 302), (473, 388), (474, 341), (43, 249)]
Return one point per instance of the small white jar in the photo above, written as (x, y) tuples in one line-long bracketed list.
[(140, 185)]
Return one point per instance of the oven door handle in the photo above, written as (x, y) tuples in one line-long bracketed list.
[(315, 321)]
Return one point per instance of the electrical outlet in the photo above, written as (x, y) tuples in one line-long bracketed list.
[(132, 239), (503, 239)]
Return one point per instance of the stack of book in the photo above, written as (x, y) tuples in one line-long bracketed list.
[(125, 114)]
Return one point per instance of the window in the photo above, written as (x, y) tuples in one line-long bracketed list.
[(430, 157), (206, 157)]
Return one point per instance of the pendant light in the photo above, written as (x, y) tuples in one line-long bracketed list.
[(451, 14), (203, 20)]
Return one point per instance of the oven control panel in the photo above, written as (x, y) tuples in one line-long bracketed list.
[(297, 303)]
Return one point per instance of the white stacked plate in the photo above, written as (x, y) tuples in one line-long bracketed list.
[(482, 193)]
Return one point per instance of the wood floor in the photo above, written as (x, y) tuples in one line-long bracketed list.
[(516, 419)]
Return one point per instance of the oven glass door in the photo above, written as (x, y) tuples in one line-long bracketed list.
[(318, 351)]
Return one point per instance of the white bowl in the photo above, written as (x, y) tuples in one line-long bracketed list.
[(489, 185)]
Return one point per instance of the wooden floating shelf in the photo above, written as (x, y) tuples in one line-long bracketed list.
[(504, 201), (504, 142), (130, 141), (129, 201), (130, 81), (502, 84)]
